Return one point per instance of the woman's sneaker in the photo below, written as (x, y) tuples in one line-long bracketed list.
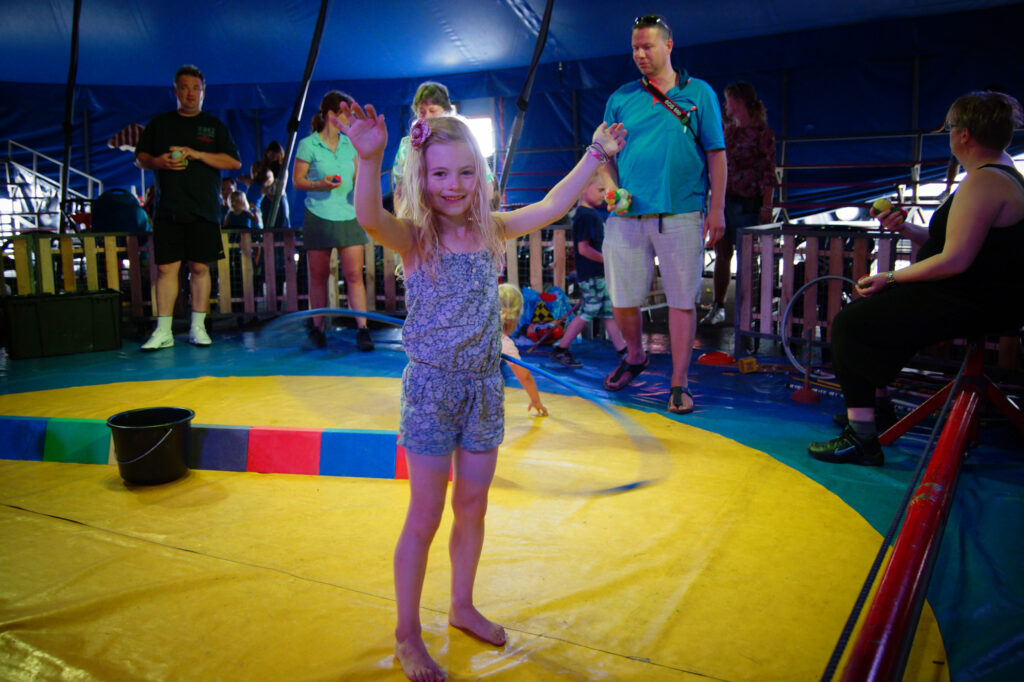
[(849, 448), (363, 340), (564, 357), (715, 316), (316, 337)]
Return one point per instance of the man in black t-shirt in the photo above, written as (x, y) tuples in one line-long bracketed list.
[(186, 150)]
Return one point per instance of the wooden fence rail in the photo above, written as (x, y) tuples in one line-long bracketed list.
[(262, 272), (774, 261)]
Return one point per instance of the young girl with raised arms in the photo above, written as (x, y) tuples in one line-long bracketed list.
[(452, 403)]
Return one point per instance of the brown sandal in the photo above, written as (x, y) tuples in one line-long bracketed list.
[(625, 369), (675, 400)]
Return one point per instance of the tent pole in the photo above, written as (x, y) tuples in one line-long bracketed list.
[(69, 103), (524, 98), (85, 141), (300, 101)]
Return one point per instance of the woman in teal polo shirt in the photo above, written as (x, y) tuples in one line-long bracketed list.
[(325, 168)]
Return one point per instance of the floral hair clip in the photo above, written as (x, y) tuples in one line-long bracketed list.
[(419, 133)]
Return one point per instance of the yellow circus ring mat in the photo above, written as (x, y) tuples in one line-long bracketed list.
[(731, 566)]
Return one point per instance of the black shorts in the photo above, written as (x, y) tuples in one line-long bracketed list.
[(195, 240), (740, 212)]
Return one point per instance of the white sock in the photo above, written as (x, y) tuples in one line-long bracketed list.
[(198, 319), (163, 323)]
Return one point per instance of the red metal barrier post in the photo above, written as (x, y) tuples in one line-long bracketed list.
[(884, 641)]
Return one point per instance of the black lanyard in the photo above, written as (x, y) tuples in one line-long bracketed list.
[(677, 111), (683, 116)]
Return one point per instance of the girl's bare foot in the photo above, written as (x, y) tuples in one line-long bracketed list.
[(416, 663), (472, 621)]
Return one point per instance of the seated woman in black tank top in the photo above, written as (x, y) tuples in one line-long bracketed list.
[(966, 281)]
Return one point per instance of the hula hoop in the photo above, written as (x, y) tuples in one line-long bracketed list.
[(650, 448), (283, 320), (785, 316), (655, 462)]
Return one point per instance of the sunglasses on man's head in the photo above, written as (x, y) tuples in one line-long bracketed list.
[(649, 20)]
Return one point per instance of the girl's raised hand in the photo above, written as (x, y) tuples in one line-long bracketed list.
[(611, 138), (365, 129)]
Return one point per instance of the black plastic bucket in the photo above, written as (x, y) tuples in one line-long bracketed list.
[(151, 444)]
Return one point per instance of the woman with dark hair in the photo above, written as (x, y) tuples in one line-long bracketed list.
[(325, 168), (273, 160), (966, 280), (750, 157)]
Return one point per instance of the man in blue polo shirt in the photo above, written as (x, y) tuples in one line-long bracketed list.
[(676, 152)]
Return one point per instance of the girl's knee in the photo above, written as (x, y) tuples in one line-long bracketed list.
[(469, 505), (423, 522)]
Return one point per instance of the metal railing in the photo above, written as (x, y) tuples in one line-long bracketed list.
[(908, 174), (33, 193)]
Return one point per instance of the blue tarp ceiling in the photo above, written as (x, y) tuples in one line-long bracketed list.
[(822, 68), (139, 42)]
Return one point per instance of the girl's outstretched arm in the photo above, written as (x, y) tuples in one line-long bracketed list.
[(368, 134), (560, 199)]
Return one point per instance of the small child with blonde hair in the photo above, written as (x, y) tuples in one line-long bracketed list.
[(510, 300), (239, 213)]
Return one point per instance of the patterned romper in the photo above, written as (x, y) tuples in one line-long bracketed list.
[(452, 389)]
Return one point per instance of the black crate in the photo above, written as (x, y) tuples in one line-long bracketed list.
[(59, 324)]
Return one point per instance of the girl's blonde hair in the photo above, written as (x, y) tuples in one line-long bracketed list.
[(510, 302), (238, 199), (414, 204)]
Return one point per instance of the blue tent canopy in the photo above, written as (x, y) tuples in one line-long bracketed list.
[(879, 66)]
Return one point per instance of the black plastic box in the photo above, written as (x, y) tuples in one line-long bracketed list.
[(59, 324)]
